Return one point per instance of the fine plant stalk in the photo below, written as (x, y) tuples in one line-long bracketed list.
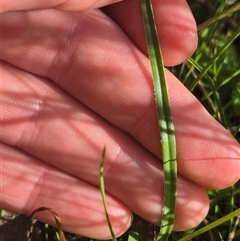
[(228, 79), (214, 59), (218, 105), (222, 15), (165, 122), (102, 188), (212, 225)]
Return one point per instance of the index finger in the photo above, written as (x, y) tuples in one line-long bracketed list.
[(67, 5)]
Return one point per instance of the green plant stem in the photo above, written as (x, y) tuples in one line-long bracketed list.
[(211, 225), (168, 142), (214, 59), (222, 15), (102, 188)]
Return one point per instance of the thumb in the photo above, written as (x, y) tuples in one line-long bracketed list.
[(68, 5)]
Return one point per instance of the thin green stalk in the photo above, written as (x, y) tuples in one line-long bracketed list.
[(222, 15), (165, 122), (214, 59), (228, 79), (212, 84), (219, 109), (211, 225), (102, 188)]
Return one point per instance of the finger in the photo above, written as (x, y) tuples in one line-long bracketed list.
[(175, 24), (45, 122), (68, 5), (78, 204), (120, 89)]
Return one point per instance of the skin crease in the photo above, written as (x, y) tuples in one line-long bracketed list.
[(66, 5), (67, 78)]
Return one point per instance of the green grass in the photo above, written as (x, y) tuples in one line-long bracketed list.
[(213, 76), (165, 122)]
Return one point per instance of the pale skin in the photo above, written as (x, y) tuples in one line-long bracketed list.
[(72, 82)]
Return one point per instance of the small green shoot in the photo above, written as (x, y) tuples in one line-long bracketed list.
[(102, 188)]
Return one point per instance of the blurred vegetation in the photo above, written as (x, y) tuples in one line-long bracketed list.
[(218, 90)]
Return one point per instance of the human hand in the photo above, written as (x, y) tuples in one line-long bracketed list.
[(73, 82)]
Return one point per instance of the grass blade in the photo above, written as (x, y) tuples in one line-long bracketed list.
[(211, 225), (222, 15), (236, 97), (102, 188), (214, 59), (168, 142)]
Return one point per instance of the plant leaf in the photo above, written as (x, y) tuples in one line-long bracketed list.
[(102, 188), (165, 122), (236, 97), (211, 225)]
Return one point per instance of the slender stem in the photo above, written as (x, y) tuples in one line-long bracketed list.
[(165, 122), (211, 225), (222, 15), (102, 188)]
